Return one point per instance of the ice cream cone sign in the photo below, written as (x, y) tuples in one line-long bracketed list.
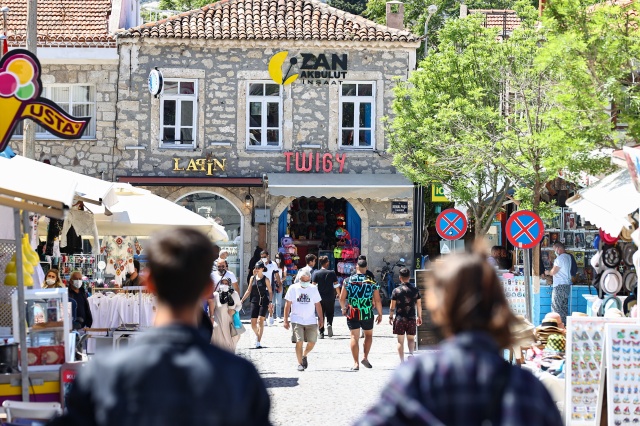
[(20, 90)]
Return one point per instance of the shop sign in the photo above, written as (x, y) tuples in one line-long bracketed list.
[(155, 82), (437, 193), (20, 90), (313, 69), (207, 165), (400, 207), (315, 162)]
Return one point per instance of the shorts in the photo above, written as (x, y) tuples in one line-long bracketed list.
[(356, 324), (306, 333), (402, 326), (259, 311)]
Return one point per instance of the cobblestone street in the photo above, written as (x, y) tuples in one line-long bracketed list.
[(327, 393)]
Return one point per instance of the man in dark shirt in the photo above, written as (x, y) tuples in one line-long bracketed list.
[(81, 312), (405, 302), (170, 375), (327, 283), (133, 279)]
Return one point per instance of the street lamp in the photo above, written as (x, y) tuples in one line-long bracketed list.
[(431, 10)]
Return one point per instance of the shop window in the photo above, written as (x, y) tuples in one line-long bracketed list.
[(79, 100), (264, 115), (357, 115), (178, 113)]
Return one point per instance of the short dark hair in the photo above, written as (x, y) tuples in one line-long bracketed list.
[(362, 257), (310, 258), (136, 264), (496, 249), (558, 244), (180, 263), (260, 264), (404, 272), (264, 252), (470, 298), (323, 260), (362, 263)]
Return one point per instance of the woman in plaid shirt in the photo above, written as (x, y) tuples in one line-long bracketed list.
[(466, 382)]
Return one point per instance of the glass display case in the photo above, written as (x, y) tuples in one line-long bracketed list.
[(48, 327)]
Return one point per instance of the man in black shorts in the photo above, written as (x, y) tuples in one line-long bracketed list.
[(358, 297), (327, 283), (405, 302)]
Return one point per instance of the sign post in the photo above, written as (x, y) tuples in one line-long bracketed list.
[(451, 225), (525, 230)]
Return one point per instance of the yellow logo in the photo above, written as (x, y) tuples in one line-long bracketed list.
[(275, 68)]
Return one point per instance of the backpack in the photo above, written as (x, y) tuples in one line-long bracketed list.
[(574, 266)]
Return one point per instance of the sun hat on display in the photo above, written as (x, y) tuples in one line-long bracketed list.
[(636, 260), (611, 281), (607, 238), (611, 256), (627, 253), (630, 279), (595, 262)]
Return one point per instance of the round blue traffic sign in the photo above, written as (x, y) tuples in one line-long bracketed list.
[(451, 224), (524, 229)]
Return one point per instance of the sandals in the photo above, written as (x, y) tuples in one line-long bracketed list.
[(366, 363), (355, 368)]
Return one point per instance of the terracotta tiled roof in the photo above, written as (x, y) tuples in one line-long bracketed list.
[(269, 20), (62, 23), (506, 20)]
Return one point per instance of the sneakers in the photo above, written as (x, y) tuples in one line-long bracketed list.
[(271, 321), (322, 334), (258, 345), (300, 368), (280, 319), (330, 331), (305, 364)]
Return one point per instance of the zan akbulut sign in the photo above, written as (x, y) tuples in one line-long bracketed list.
[(310, 68)]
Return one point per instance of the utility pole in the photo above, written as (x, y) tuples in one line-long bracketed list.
[(29, 139)]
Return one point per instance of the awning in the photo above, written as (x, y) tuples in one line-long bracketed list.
[(373, 186), (607, 203), (192, 181)]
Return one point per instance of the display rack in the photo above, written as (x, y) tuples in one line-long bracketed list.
[(48, 319), (85, 263), (623, 368), (516, 293)]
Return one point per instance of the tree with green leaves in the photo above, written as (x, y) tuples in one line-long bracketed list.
[(352, 6), (596, 49), (184, 5), (479, 115)]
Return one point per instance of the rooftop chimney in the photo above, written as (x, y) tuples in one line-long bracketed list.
[(463, 10), (395, 15)]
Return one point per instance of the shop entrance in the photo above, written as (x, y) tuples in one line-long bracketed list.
[(319, 225), (227, 220)]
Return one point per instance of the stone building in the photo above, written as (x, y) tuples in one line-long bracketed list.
[(270, 121)]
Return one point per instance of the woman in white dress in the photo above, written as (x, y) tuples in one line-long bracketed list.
[(224, 304)]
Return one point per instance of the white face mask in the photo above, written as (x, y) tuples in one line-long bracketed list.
[(304, 284), (224, 287), (50, 281), (77, 283)]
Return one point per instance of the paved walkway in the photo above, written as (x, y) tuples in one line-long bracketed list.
[(327, 393)]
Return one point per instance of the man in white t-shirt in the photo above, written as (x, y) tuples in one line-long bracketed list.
[(561, 273), (303, 302), (223, 271)]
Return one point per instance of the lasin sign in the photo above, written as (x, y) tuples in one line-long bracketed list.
[(309, 68)]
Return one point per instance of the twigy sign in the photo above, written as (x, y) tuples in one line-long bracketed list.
[(323, 162)]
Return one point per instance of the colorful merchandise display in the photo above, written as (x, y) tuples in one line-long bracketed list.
[(623, 374)]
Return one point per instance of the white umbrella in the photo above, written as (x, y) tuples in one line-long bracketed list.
[(141, 213)]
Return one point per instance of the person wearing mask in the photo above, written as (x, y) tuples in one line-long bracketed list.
[(278, 288), (405, 303), (52, 279), (466, 381), (259, 291), (222, 271), (222, 307), (133, 279), (81, 313), (273, 273), (561, 273), (328, 287), (303, 302), (358, 298), (170, 375)]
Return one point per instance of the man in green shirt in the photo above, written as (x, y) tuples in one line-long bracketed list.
[(360, 294)]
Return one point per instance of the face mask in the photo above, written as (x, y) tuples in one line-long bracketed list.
[(77, 283), (224, 287), (50, 281), (221, 271), (304, 284)]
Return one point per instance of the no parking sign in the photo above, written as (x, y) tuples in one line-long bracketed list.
[(524, 229), (451, 224)]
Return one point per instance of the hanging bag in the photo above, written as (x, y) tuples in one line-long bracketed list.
[(347, 250), (355, 243)]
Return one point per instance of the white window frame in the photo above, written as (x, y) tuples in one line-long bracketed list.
[(178, 97), (264, 100), (90, 132), (357, 100)]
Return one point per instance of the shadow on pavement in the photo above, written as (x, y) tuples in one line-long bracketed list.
[(280, 382)]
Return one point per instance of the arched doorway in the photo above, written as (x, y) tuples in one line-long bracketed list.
[(228, 224)]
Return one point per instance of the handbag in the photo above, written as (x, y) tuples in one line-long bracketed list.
[(347, 250), (337, 252)]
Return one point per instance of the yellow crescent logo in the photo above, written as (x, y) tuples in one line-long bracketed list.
[(275, 68)]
